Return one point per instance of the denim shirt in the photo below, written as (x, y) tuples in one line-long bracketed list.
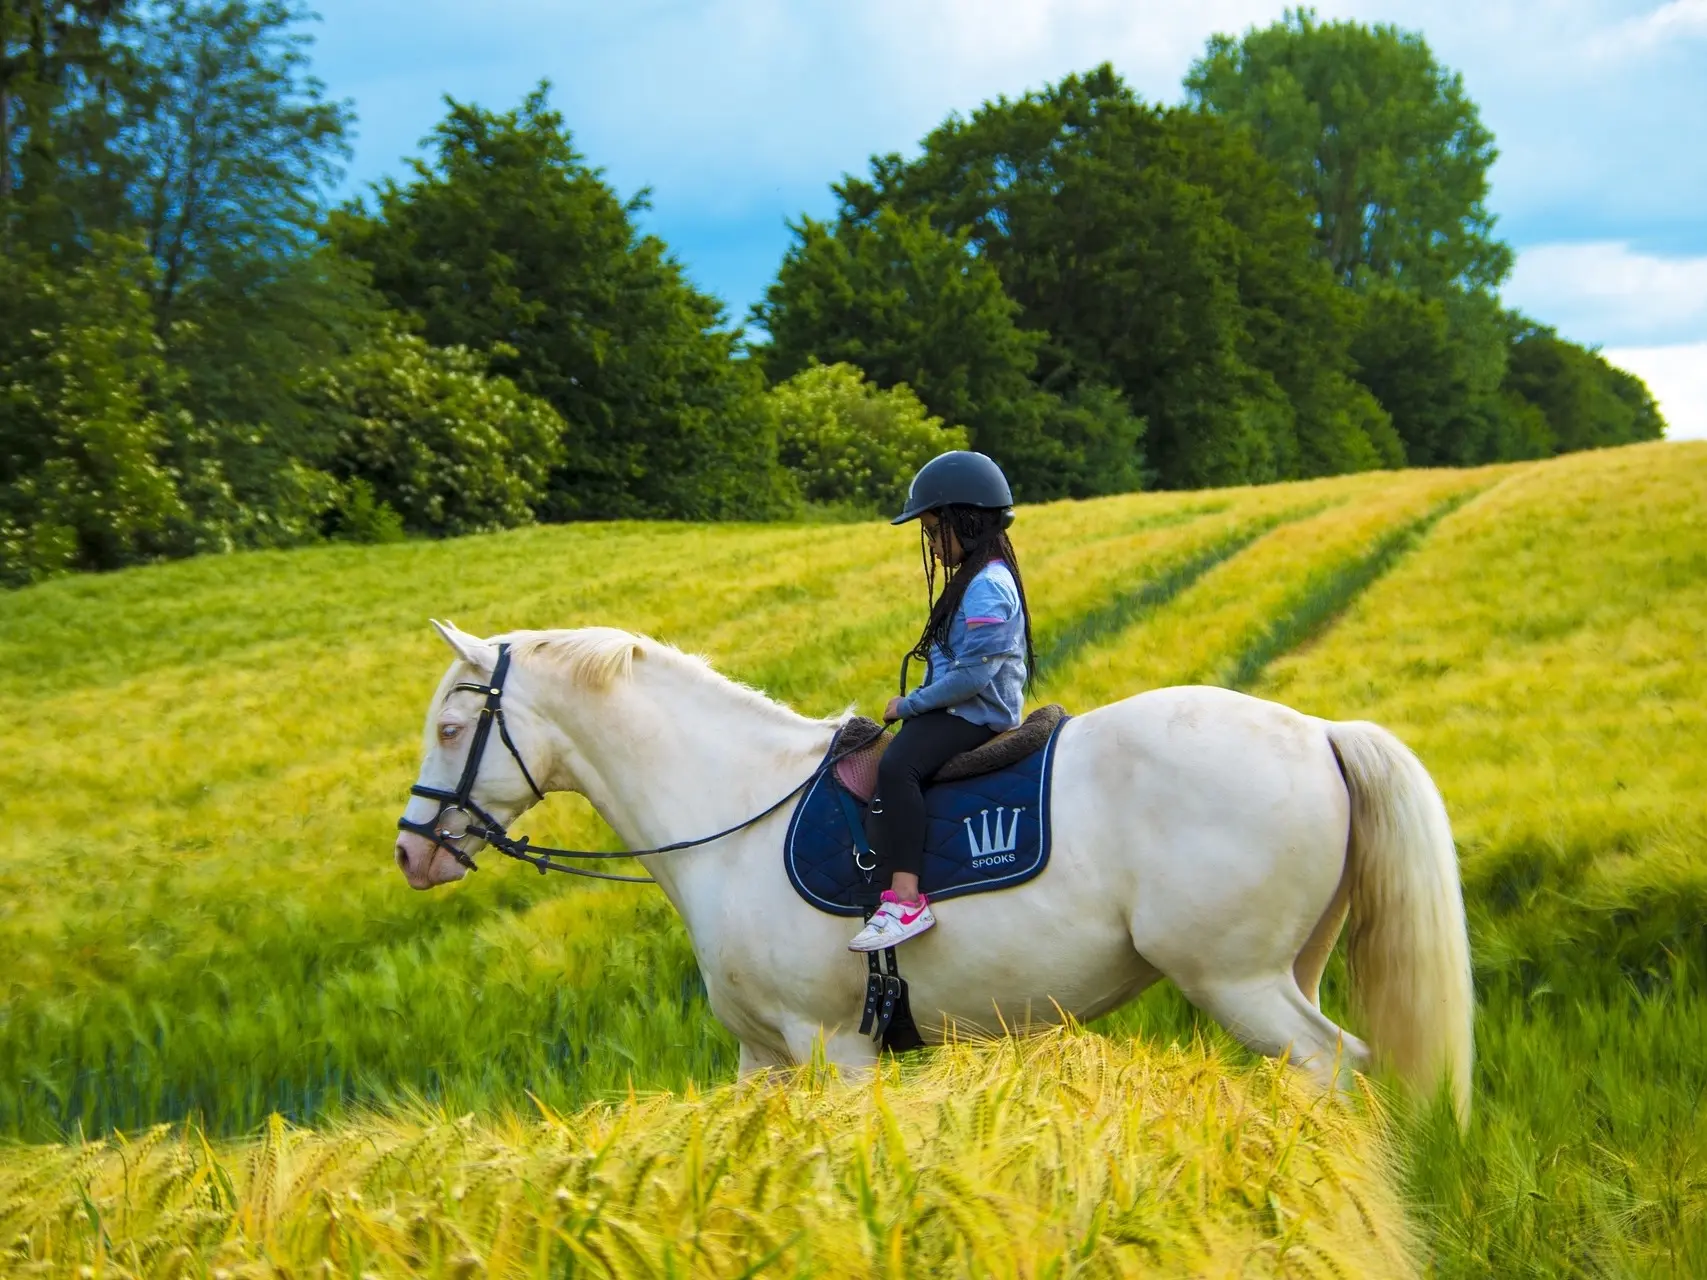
[(982, 677)]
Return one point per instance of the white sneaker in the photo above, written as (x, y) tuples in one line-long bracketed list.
[(893, 922)]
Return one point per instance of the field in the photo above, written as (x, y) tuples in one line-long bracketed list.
[(200, 924)]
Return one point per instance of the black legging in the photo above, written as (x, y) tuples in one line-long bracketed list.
[(895, 826)]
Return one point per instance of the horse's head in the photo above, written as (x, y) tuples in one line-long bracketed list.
[(484, 761)]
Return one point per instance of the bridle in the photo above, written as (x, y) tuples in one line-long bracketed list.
[(461, 809)]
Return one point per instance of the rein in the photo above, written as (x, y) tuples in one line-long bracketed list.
[(483, 826)]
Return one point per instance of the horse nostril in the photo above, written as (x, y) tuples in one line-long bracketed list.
[(402, 858)]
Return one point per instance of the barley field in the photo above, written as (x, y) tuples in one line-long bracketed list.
[(233, 1041)]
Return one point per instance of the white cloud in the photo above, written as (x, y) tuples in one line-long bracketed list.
[(1606, 292), (1678, 18), (1642, 35), (1677, 375)]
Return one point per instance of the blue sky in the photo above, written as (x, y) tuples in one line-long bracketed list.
[(739, 113)]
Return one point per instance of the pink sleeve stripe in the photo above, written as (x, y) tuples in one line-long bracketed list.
[(973, 622)]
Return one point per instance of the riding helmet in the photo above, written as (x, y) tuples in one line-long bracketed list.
[(959, 478)]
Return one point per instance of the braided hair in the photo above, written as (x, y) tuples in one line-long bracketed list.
[(983, 537)]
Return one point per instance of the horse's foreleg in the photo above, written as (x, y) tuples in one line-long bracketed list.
[(852, 1054), (1272, 1016), (755, 1059)]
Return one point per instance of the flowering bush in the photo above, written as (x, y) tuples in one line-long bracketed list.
[(449, 447), (848, 442)]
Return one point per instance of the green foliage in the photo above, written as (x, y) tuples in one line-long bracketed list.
[(1298, 324), (196, 129), (1101, 293), (254, 441), (232, 146), (848, 442), (906, 304), (230, 151), (1587, 403), (360, 515), (910, 305), (506, 242), (64, 82), (1381, 140), (81, 426), (1088, 443), (426, 432), (1159, 258), (1437, 365)]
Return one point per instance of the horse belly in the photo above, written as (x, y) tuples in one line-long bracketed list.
[(1001, 962)]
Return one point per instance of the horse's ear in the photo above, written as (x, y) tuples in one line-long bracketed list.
[(478, 653)]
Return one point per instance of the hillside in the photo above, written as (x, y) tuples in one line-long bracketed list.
[(201, 764)]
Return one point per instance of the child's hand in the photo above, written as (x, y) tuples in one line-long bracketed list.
[(892, 711)]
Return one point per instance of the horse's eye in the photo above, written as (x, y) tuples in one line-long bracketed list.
[(449, 731)]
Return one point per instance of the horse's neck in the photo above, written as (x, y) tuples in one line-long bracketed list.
[(676, 752)]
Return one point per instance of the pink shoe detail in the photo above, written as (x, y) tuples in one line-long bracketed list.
[(907, 917)]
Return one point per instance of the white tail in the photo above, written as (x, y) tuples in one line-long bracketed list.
[(1408, 948)]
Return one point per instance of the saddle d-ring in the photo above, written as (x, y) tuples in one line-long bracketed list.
[(862, 853)]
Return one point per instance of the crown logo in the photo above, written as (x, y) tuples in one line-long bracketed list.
[(983, 844)]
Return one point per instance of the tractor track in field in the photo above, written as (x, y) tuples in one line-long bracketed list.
[(1125, 608), (1324, 599)]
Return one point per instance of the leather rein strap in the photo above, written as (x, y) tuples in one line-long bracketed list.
[(483, 826)]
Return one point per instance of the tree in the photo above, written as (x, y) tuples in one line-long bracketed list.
[(1298, 323), (64, 70), (911, 305), (1587, 403), (1162, 259), (428, 433), (847, 442), (232, 150), (505, 242), (906, 304), (1379, 139), (1438, 367), (82, 483), (234, 147)]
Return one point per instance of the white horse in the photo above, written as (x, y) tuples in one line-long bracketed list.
[(1199, 834)]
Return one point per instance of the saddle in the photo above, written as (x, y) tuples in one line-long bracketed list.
[(832, 868), (857, 771)]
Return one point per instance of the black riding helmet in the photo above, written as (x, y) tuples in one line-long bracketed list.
[(958, 479)]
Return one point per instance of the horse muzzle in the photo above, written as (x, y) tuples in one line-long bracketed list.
[(426, 863)]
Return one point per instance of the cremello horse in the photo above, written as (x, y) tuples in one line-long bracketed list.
[(1199, 834)]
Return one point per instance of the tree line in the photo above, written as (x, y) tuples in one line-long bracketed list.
[(1291, 274)]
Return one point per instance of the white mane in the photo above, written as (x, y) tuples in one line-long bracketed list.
[(596, 658)]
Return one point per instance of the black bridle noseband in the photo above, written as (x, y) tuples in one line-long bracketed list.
[(459, 808)]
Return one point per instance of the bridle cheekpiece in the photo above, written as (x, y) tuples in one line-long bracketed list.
[(458, 809), (474, 820)]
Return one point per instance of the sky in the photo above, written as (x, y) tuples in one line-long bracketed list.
[(738, 114)]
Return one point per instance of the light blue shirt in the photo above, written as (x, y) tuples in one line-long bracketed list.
[(981, 677)]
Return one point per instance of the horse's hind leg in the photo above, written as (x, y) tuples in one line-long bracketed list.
[(1307, 968), (1272, 1016)]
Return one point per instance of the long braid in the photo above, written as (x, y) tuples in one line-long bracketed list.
[(982, 539)]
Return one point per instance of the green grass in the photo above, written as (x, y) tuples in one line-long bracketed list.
[(201, 763), (1327, 595), (1126, 607)]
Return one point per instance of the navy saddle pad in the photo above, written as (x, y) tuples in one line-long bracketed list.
[(988, 832)]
